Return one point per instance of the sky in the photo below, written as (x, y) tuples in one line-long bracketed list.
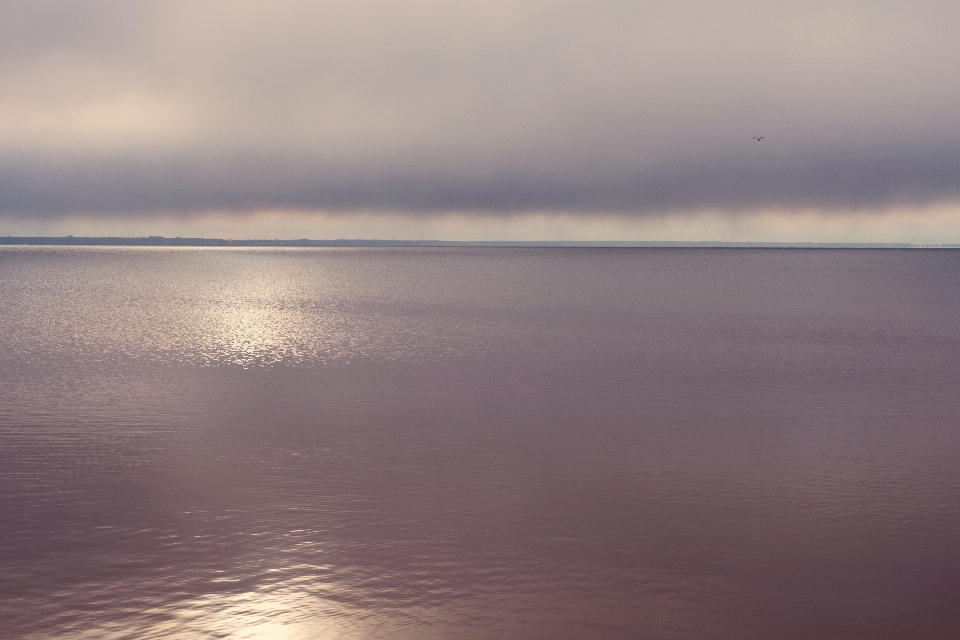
[(492, 120)]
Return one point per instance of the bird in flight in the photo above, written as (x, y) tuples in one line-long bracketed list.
[(758, 139)]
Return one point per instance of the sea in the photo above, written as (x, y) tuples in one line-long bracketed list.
[(421, 443)]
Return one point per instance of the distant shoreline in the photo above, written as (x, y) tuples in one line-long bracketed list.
[(160, 241)]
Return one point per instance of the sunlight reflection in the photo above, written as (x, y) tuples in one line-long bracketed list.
[(256, 321), (279, 615), (247, 334)]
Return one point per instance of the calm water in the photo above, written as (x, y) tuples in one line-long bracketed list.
[(479, 443)]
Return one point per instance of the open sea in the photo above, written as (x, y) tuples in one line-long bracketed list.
[(479, 443)]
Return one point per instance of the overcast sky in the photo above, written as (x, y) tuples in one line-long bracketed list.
[(493, 119)]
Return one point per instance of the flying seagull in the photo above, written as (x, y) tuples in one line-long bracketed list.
[(758, 139)]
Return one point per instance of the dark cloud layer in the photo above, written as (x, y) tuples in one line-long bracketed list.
[(500, 106), (896, 178)]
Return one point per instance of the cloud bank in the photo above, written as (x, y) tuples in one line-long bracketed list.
[(132, 110)]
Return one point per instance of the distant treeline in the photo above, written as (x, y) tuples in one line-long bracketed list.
[(160, 241)]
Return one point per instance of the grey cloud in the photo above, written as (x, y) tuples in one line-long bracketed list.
[(894, 178), (149, 106)]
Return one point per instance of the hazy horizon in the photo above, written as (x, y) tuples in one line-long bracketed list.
[(521, 120)]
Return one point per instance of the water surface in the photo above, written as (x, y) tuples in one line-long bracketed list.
[(479, 443)]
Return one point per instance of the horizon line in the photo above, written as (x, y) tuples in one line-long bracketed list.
[(160, 241)]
